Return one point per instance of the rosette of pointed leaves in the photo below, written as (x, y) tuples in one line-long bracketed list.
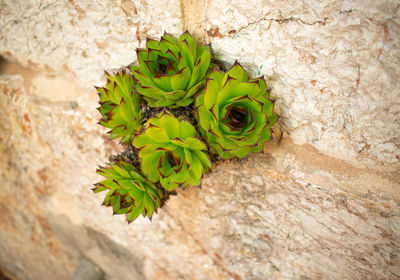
[(171, 72), (119, 106), (128, 191), (170, 152), (234, 113)]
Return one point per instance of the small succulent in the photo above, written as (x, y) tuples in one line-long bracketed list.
[(150, 108), (128, 191), (171, 153), (234, 113), (170, 73), (119, 106)]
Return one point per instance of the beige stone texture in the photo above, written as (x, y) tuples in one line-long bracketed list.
[(321, 202), (333, 68), (82, 37)]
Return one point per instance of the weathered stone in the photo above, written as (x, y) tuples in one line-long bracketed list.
[(83, 37), (87, 271), (289, 213), (332, 66)]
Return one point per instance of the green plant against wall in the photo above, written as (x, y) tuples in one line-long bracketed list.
[(170, 73), (234, 114), (119, 106), (181, 157), (177, 112), (129, 192)]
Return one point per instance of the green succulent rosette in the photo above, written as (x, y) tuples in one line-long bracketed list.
[(171, 153), (234, 113), (119, 106), (129, 192), (170, 73)]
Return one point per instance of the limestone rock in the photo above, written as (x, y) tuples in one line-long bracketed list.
[(288, 213), (83, 37), (332, 65), (277, 215)]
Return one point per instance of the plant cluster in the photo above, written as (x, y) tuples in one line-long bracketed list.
[(177, 112)]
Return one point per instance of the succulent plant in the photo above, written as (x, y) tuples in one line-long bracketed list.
[(171, 72), (119, 106), (150, 107), (234, 113), (170, 152), (128, 191)]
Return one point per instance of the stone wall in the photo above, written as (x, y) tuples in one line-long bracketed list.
[(322, 201)]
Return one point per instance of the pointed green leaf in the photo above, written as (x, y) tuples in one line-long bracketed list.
[(181, 79), (163, 82)]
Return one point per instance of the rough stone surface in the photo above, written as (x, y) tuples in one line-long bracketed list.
[(288, 213), (277, 215), (332, 65), (84, 37), (87, 271), (333, 68)]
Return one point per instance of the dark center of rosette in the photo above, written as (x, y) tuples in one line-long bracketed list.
[(123, 202), (237, 117), (172, 160), (162, 66)]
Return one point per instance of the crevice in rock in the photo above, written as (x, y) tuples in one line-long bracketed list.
[(4, 277), (323, 21), (193, 18), (8, 67), (3, 65), (282, 21)]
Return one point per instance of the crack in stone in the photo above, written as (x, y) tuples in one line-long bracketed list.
[(358, 77), (365, 16), (283, 20), (15, 21)]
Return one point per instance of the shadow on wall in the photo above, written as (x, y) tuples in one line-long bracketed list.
[(86, 270), (94, 249), (2, 276), (3, 66)]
